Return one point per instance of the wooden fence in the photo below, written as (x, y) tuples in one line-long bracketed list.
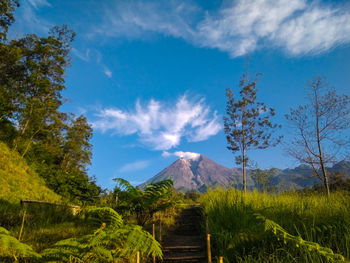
[(75, 208)]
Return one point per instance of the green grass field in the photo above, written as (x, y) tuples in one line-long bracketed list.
[(289, 227)]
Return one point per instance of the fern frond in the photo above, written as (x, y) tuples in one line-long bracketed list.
[(136, 239), (10, 247), (281, 233), (126, 186), (105, 215)]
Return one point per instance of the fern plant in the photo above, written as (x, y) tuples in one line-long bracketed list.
[(144, 203), (13, 250), (297, 241), (113, 241)]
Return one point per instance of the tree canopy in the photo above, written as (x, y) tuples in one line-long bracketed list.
[(319, 128), (32, 78), (247, 123)]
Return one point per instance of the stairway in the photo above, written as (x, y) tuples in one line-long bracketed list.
[(184, 243)]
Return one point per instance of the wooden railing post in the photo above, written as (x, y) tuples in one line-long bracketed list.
[(138, 257), (208, 248), (22, 225), (154, 236)]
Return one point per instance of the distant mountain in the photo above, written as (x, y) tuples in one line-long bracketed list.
[(198, 174), (201, 173)]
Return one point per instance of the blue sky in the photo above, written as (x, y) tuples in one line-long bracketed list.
[(151, 75)]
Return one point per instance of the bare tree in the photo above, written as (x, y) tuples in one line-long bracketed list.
[(319, 126), (247, 124)]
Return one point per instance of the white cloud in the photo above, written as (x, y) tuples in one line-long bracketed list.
[(161, 126), (107, 72), (317, 30), (238, 27), (187, 155), (134, 166)]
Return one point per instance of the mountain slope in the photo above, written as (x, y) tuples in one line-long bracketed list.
[(198, 174), (18, 181)]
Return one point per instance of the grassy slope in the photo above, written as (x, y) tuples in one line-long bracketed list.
[(18, 181)]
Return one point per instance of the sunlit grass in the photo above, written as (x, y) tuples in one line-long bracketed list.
[(18, 181), (239, 236)]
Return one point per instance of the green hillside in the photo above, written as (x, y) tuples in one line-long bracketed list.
[(18, 181)]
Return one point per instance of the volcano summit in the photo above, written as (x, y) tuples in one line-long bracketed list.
[(199, 173)]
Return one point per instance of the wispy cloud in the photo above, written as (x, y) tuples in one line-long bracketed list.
[(238, 27), (39, 3), (30, 20), (85, 55), (107, 72), (132, 18), (187, 155), (159, 125), (134, 166), (92, 55)]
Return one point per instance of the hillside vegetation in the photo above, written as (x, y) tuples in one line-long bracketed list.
[(18, 181)]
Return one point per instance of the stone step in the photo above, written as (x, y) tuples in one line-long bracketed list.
[(188, 258), (171, 249), (184, 242)]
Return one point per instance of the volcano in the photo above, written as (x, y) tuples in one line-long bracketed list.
[(198, 174)]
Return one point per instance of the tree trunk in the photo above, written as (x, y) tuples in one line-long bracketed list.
[(324, 171), (244, 173), (29, 143)]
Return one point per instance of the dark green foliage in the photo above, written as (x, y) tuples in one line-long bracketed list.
[(247, 124), (144, 203), (43, 62), (98, 216), (7, 7), (192, 196), (262, 179), (111, 242), (95, 235), (62, 161)]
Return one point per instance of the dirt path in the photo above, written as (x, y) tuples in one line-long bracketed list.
[(185, 243)]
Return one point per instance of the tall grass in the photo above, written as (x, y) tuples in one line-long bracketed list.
[(289, 227), (18, 181)]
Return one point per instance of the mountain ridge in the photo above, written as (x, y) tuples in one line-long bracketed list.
[(201, 173)]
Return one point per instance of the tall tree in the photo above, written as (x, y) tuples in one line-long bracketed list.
[(262, 179), (77, 147), (247, 124), (9, 57), (32, 71), (44, 61), (7, 7), (319, 127)]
